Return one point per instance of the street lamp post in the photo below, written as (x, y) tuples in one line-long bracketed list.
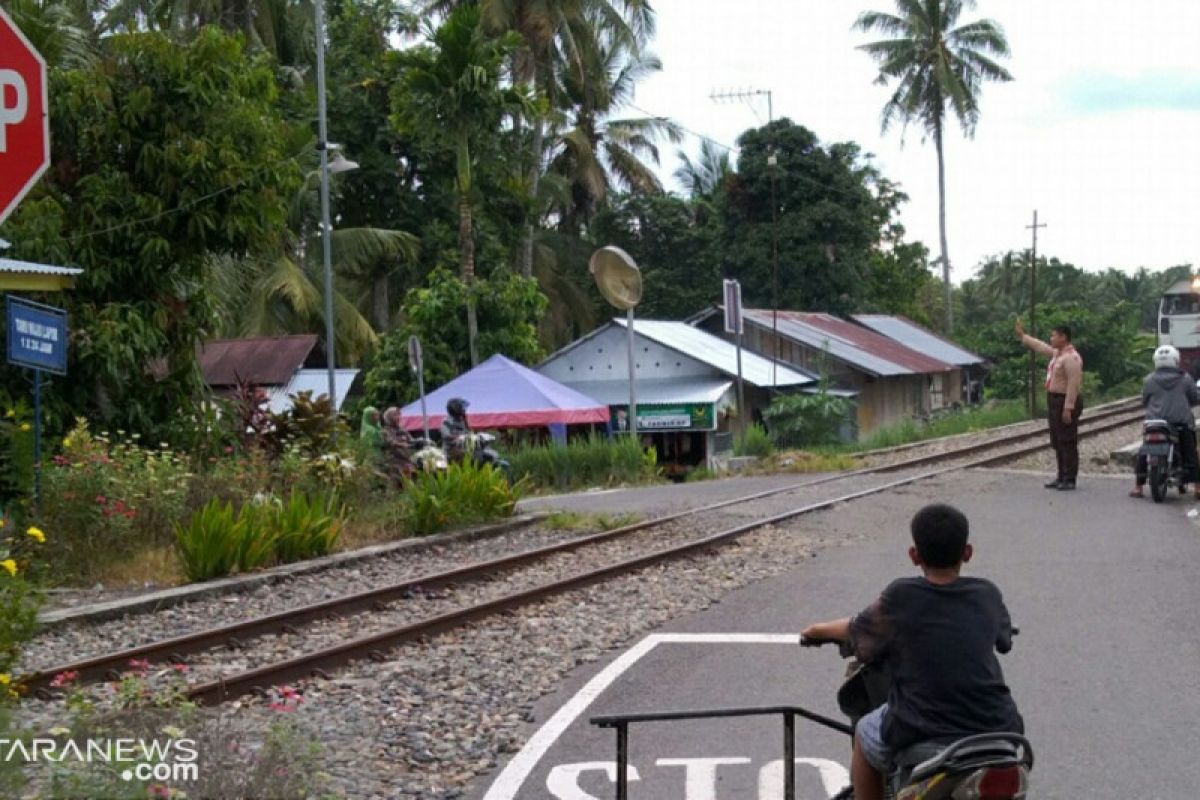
[(339, 164)]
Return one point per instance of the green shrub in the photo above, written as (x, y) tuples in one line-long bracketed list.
[(755, 442), (464, 493), (109, 499), (265, 531), (594, 461), (807, 420), (305, 527), (256, 535), (21, 555), (210, 543)]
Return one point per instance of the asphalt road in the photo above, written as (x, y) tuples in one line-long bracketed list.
[(1103, 587)]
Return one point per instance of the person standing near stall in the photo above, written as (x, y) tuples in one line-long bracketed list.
[(1064, 379)]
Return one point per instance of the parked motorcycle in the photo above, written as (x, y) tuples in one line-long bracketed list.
[(479, 447), (990, 766), (1163, 459)]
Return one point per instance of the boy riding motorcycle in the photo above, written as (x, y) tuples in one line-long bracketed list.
[(1169, 394), (936, 635)]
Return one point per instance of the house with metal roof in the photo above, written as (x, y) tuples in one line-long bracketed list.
[(964, 385), (893, 382), (686, 384), (282, 366)]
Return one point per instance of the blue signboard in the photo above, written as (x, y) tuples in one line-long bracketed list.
[(37, 336)]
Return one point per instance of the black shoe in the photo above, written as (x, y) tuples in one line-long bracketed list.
[(1054, 484), (1066, 486)]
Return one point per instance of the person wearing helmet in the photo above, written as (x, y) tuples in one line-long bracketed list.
[(1169, 394), (454, 426), (1064, 380)]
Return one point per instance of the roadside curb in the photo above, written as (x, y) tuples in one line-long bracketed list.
[(165, 598)]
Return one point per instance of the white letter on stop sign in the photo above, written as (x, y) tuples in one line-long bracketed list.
[(11, 115)]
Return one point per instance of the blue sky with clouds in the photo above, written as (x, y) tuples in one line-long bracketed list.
[(1099, 131)]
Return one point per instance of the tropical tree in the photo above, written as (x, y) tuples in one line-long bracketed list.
[(163, 156), (596, 152), (702, 177), (451, 98), (553, 33), (64, 34), (279, 291), (939, 70)]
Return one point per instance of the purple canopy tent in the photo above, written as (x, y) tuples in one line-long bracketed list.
[(504, 394)]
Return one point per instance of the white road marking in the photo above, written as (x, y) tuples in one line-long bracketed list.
[(834, 777), (700, 782), (516, 771), (563, 780)]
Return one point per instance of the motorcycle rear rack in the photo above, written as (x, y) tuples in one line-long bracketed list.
[(621, 723)]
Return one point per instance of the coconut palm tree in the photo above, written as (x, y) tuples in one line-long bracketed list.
[(939, 70), (549, 31), (595, 152), (450, 96), (702, 177), (63, 33), (279, 293)]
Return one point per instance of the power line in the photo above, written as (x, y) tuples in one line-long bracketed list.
[(686, 130), (185, 206)]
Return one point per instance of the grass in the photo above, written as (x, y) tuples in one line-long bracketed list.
[(807, 461), (1005, 412), (159, 566), (576, 521), (583, 463)]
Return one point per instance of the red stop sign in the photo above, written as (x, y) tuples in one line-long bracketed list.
[(24, 118)]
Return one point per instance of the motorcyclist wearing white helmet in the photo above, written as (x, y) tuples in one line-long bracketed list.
[(1169, 394)]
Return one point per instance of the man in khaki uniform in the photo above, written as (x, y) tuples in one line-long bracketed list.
[(1064, 377)]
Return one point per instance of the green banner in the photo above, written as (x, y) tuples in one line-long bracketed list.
[(678, 417)]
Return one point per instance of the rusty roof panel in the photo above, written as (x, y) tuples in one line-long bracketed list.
[(860, 347), (919, 338), (264, 361)]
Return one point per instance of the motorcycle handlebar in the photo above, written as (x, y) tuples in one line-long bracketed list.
[(816, 641)]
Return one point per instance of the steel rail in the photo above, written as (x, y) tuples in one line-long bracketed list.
[(375, 646), (109, 666)]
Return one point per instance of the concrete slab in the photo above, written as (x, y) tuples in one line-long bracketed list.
[(1102, 586)]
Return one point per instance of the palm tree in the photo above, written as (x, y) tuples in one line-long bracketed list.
[(594, 152), (707, 173), (279, 293), (63, 33), (938, 68), (550, 31), (450, 96)]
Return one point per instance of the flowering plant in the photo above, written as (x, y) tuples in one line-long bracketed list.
[(20, 554)]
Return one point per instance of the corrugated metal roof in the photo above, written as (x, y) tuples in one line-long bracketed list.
[(265, 361), (918, 338), (654, 392), (862, 348), (311, 380), (12, 265), (718, 353)]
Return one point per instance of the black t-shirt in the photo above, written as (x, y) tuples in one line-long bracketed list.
[(939, 643)]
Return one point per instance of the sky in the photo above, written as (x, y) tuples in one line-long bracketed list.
[(1098, 131)]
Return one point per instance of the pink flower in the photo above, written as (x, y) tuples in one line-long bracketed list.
[(228, 450), (180, 668), (140, 664), (64, 679), (282, 707), (158, 790), (101, 499)]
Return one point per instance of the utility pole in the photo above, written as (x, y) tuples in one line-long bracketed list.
[(772, 164), (1032, 308)]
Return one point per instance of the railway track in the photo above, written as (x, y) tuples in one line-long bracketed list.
[(382, 601)]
